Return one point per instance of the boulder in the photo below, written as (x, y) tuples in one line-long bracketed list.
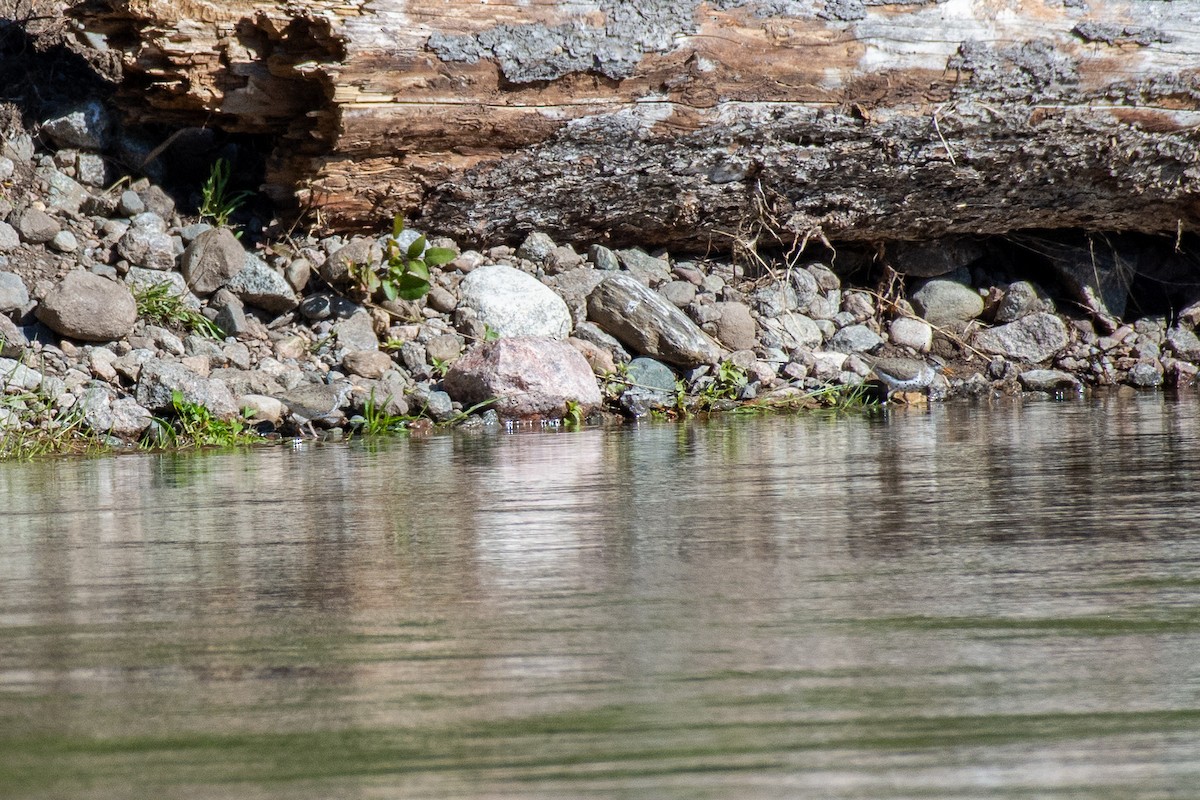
[(735, 327), (87, 125), (88, 307), (647, 323), (528, 376), (13, 293), (512, 303)]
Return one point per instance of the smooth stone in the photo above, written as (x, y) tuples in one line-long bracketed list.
[(648, 324), (603, 259), (529, 377), (1048, 380), (512, 303), (777, 297), (912, 333), (942, 302), (211, 260), (1020, 299), (537, 247), (36, 226), (444, 347), (87, 307), (795, 330), (678, 293), (735, 327), (1033, 338), (653, 387), (144, 246), (12, 339), (599, 358), (64, 242), (646, 268), (367, 363), (263, 408)]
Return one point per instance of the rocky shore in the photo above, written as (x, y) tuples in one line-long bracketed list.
[(117, 310)]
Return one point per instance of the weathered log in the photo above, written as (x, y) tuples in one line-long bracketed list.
[(683, 123)]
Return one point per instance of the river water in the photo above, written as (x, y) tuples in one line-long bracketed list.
[(949, 602)]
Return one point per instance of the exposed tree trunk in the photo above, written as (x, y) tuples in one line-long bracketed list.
[(678, 122)]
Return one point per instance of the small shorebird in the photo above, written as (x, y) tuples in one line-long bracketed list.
[(902, 374), (317, 403)]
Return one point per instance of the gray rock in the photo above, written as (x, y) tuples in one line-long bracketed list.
[(536, 247), (157, 201), (1054, 381), (9, 238), (930, 259), (943, 302), (512, 303), (357, 332), (1145, 375), (529, 377), (794, 330), (36, 226), (1183, 343), (574, 286), (911, 333), (855, 339), (805, 288), (444, 347), (139, 279), (13, 294), (15, 375), (91, 170), (646, 268), (87, 307), (211, 260), (336, 269), (64, 242), (7, 168), (1033, 338), (735, 327), (258, 285), (87, 125), (104, 414), (430, 403), (678, 293), (263, 408), (129, 204), (63, 192), (143, 245), (603, 259), (778, 297), (12, 339), (594, 334), (1020, 299), (159, 379), (367, 363), (441, 300), (415, 358), (653, 387), (561, 259), (645, 322), (231, 315)]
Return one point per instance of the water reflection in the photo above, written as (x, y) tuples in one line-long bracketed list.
[(936, 601)]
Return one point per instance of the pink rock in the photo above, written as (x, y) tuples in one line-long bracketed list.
[(528, 376)]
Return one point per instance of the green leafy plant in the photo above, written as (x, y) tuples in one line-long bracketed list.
[(216, 202), (404, 273), (574, 416), (194, 425), (490, 334), (158, 304)]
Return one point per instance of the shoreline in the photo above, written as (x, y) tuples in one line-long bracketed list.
[(124, 320)]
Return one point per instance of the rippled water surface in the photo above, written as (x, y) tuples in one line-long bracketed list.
[(950, 602)]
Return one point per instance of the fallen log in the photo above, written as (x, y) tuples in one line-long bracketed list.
[(686, 124)]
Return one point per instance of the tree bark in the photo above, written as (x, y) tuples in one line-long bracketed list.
[(684, 124)]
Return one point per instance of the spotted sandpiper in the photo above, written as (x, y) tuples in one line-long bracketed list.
[(903, 374), (317, 403)]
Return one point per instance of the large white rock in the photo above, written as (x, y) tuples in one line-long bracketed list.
[(512, 303), (526, 377)]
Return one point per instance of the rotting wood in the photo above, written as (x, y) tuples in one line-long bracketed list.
[(678, 123)]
